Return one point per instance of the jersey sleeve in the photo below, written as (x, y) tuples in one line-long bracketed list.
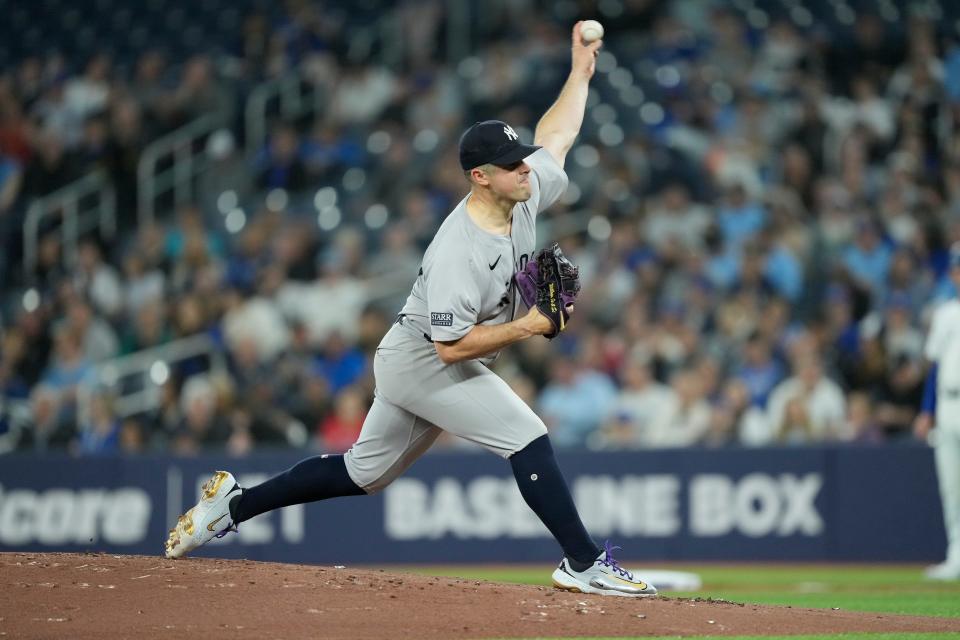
[(548, 179), (453, 297), (937, 338)]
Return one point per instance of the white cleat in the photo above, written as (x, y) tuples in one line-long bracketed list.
[(945, 571), (604, 577), (209, 519)]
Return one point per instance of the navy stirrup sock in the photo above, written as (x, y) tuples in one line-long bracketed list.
[(546, 493), (313, 479)]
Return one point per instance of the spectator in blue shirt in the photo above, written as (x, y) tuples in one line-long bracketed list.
[(100, 430), (328, 152), (868, 258), (783, 271), (722, 262), (574, 401), (739, 218), (760, 371), (279, 165), (68, 366), (341, 364)]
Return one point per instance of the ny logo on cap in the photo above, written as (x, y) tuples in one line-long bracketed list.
[(510, 132)]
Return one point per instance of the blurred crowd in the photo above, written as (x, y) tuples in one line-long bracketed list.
[(760, 202)]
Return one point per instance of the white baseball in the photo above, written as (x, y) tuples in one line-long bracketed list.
[(590, 30)]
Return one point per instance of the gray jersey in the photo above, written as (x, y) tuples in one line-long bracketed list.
[(466, 279), (467, 273)]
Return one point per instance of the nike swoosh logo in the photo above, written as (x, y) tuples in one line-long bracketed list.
[(210, 526), (639, 585), (495, 262), (599, 585)]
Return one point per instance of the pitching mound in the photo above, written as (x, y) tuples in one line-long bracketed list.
[(104, 596)]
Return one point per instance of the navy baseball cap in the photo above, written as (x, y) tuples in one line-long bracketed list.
[(493, 142)]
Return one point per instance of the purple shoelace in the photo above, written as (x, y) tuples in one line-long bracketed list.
[(610, 561), (230, 529)]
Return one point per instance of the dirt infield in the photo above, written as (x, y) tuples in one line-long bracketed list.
[(105, 596)]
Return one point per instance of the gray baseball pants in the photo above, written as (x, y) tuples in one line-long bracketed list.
[(417, 396)]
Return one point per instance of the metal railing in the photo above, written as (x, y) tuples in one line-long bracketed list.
[(153, 367), (67, 203), (187, 160), (295, 94), (149, 369)]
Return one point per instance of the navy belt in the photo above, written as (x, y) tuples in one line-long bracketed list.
[(399, 321)]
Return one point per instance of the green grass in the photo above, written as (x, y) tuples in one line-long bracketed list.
[(857, 588), (888, 589), (861, 588)]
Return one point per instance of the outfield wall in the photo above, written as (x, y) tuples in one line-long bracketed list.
[(850, 504)]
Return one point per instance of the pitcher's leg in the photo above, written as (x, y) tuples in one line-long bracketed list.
[(309, 480), (478, 405), (390, 441), (543, 487)]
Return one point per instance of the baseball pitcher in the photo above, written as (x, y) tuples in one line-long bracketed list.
[(941, 408), (481, 288)]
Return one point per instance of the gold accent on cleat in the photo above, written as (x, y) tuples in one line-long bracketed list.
[(211, 486), (172, 541), (185, 522), (563, 587), (186, 526)]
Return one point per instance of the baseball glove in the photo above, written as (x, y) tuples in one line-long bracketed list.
[(550, 282)]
